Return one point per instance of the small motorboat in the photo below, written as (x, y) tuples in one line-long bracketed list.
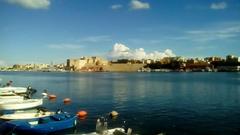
[(15, 89), (11, 91), (27, 114), (43, 125), (7, 93), (102, 129), (24, 104), (114, 131), (11, 98)]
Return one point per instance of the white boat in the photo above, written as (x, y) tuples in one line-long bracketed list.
[(101, 129), (114, 131), (107, 132), (11, 98), (13, 89), (7, 93), (24, 104), (10, 91), (26, 115)]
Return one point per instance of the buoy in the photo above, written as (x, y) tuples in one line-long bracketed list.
[(67, 101), (52, 96), (114, 114), (82, 114)]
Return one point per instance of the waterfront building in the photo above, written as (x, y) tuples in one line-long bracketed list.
[(86, 64), (212, 59), (232, 58)]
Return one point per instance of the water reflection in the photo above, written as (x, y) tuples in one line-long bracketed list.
[(175, 103)]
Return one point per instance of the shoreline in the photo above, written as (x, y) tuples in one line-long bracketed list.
[(152, 71)]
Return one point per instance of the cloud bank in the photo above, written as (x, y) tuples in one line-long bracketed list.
[(138, 5), (121, 51), (31, 4), (218, 6)]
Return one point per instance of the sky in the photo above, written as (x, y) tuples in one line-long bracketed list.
[(45, 31)]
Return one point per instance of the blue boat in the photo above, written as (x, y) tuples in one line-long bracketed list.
[(43, 125)]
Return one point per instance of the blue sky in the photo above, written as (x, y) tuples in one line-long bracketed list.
[(44, 31)]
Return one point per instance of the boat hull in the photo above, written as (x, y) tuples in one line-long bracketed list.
[(14, 89), (107, 132), (22, 116), (25, 104), (11, 98), (23, 127)]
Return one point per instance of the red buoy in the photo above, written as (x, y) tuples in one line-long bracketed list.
[(82, 114), (52, 97), (67, 101)]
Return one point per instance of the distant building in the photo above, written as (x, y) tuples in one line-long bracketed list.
[(212, 59), (86, 64), (232, 58), (148, 61)]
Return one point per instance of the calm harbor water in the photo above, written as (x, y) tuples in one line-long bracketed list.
[(150, 103)]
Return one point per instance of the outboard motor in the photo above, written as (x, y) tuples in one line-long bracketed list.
[(43, 109), (28, 95), (59, 111), (101, 125), (29, 88), (30, 91)]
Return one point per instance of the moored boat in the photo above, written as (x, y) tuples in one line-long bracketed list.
[(11, 98), (43, 125), (114, 131), (24, 104), (11, 91), (19, 115), (15, 89)]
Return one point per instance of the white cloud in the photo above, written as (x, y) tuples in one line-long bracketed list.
[(138, 5), (121, 51), (218, 6), (31, 4), (219, 33), (116, 6), (64, 46)]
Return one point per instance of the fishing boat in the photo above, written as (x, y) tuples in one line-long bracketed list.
[(114, 131), (13, 98), (24, 104), (102, 129), (27, 114), (15, 89), (11, 91), (7, 93), (43, 125)]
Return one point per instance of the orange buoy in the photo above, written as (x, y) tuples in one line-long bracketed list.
[(52, 96), (67, 101), (82, 114)]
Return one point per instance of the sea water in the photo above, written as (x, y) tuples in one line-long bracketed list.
[(149, 103)]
